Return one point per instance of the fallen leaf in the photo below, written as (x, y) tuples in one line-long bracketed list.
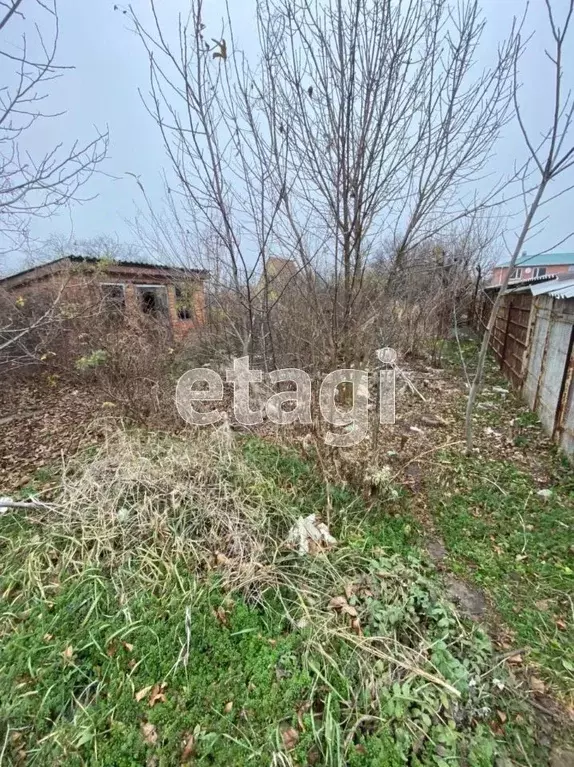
[(47, 637), (188, 747), (545, 493), (149, 733), (542, 604), (127, 646), (537, 685), (228, 707), (221, 615), (68, 653), (561, 624), (337, 603), (143, 693), (496, 728), (340, 603), (290, 738), (157, 694), (502, 716), (349, 590), (313, 756)]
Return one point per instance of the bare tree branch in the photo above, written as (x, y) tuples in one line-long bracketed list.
[(551, 161)]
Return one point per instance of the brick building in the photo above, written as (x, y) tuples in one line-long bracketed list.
[(172, 295), (529, 267)]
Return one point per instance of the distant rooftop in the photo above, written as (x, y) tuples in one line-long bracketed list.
[(112, 264), (543, 259)]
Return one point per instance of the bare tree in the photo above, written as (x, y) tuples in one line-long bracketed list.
[(31, 185), (361, 120), (550, 156)]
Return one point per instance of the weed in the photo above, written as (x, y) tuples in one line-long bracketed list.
[(517, 545)]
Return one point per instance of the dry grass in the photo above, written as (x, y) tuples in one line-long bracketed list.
[(144, 494)]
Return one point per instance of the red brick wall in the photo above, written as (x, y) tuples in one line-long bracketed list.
[(499, 272), (79, 282)]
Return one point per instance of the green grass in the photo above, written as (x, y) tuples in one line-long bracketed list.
[(388, 523), (502, 535), (517, 546), (73, 663), (79, 643), (69, 683)]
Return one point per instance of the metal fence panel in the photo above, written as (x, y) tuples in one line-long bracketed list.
[(537, 346), (534, 344), (552, 374)]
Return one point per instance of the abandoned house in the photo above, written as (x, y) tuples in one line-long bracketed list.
[(172, 295)]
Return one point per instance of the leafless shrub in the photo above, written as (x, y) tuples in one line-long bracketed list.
[(360, 123)]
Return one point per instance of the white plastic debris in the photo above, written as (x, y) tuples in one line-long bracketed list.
[(542, 493), (5, 499), (308, 535)]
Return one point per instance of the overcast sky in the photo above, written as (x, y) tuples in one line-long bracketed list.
[(103, 90)]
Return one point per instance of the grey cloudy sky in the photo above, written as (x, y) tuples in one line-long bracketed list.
[(110, 68)]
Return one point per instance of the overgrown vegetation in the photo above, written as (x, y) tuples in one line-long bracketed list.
[(144, 623)]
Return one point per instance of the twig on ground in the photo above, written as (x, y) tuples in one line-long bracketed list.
[(409, 383), (6, 504), (363, 640), (425, 452), (351, 734)]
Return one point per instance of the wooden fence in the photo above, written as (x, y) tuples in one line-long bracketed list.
[(533, 341)]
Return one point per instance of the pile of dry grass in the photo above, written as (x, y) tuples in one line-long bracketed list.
[(162, 497)]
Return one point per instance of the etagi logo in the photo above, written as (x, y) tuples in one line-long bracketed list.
[(293, 406)]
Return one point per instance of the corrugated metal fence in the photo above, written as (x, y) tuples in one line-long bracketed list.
[(533, 340)]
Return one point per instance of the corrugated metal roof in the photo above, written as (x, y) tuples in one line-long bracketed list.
[(520, 285), (16, 277), (555, 289), (542, 259)]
